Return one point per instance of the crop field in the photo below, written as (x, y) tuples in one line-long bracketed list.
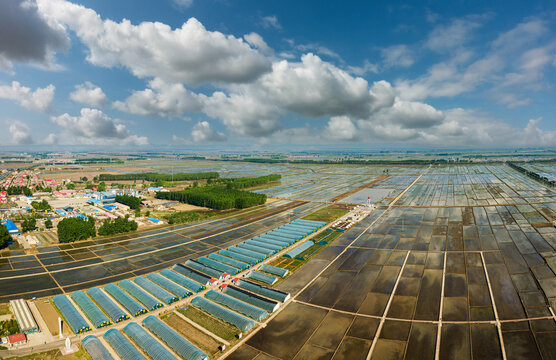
[(459, 265)]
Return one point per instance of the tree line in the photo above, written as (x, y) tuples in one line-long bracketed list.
[(16, 190), (245, 182), (132, 201), (150, 176), (215, 197), (117, 226), (532, 174)]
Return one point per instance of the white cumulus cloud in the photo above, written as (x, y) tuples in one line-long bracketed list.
[(92, 126), (190, 54), (203, 132), (38, 100), (20, 133), (89, 94), (161, 99)]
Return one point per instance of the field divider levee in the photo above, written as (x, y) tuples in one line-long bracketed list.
[(383, 317), (263, 324), (496, 317), (439, 329)]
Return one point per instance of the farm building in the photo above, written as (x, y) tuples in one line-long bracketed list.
[(12, 229), (23, 316), (17, 339)]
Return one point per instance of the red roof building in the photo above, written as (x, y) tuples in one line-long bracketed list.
[(213, 281), (17, 339)]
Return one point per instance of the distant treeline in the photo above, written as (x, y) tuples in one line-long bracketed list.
[(345, 161), (215, 197), (99, 160), (532, 174), (150, 176), (245, 182)]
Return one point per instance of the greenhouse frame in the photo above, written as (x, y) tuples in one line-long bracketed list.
[(132, 305), (73, 318), (147, 342), (91, 310), (182, 280), (239, 306), (259, 276), (263, 290), (141, 295), (123, 347), (156, 290), (251, 298), (192, 274), (173, 339), (95, 349), (221, 313), (169, 285), (110, 308)]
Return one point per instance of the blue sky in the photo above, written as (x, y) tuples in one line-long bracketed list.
[(181, 74)]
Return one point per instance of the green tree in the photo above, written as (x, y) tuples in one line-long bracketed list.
[(117, 226), (48, 224), (72, 229), (28, 224), (101, 186), (5, 237), (70, 186), (132, 201)]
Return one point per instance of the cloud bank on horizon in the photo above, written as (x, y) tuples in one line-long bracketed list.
[(86, 79)]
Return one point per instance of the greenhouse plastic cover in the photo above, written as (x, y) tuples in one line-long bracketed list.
[(125, 300), (95, 349), (145, 298), (70, 313), (263, 290), (275, 237), (251, 298), (228, 261), (148, 343), (274, 270), (92, 311), (175, 341), (237, 305), (183, 280), (246, 252), (219, 312), (124, 348), (191, 273), (298, 250), (169, 285), (218, 265), (273, 241), (113, 310), (204, 269), (265, 252), (267, 279), (237, 256), (155, 290), (264, 245)]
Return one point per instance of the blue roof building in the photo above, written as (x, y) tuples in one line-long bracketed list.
[(12, 229)]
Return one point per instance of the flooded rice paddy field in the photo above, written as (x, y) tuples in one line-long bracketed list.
[(461, 266), (85, 264)]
